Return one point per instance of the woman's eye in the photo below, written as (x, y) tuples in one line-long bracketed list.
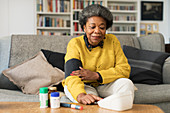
[(92, 27), (102, 28)]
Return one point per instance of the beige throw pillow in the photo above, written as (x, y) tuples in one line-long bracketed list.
[(34, 74)]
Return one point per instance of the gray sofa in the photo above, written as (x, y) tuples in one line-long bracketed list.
[(18, 48)]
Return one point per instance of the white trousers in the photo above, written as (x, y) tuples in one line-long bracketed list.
[(121, 85)]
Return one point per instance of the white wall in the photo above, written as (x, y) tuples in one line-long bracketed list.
[(168, 19), (17, 17), (4, 26)]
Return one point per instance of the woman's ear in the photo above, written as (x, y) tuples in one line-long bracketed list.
[(84, 28)]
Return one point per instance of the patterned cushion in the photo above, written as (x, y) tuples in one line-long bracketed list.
[(146, 65)]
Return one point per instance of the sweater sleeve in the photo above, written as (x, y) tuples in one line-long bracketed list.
[(72, 62), (121, 68), (74, 85)]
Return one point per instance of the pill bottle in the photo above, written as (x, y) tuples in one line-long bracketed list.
[(55, 100), (43, 96), (51, 89)]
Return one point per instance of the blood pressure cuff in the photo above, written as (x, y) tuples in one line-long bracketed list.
[(72, 65)]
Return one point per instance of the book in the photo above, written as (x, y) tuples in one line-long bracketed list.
[(47, 21), (54, 5), (49, 6), (45, 6), (40, 5), (75, 26)]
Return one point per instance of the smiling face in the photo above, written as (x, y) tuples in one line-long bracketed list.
[(95, 30)]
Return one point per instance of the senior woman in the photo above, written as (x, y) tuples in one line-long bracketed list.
[(95, 65)]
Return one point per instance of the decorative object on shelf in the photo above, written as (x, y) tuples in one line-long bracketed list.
[(148, 28), (152, 10)]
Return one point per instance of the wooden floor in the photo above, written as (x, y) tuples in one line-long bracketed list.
[(34, 107)]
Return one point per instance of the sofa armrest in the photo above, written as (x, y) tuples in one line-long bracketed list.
[(154, 42), (5, 43), (166, 71)]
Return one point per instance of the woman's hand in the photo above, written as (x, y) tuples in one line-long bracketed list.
[(87, 98), (85, 74)]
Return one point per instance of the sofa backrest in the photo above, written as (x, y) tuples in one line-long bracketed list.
[(128, 40), (24, 47), (154, 42)]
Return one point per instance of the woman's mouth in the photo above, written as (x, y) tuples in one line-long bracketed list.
[(96, 37)]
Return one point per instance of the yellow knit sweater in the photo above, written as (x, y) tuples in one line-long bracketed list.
[(109, 61)]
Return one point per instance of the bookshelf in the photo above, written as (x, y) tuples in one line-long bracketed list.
[(125, 17), (53, 17), (60, 17)]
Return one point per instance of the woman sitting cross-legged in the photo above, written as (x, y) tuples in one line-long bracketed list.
[(95, 65)]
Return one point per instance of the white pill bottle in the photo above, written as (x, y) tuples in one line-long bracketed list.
[(55, 100), (43, 96)]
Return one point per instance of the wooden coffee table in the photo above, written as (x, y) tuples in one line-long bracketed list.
[(33, 107)]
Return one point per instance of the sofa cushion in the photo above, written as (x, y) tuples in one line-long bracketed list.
[(18, 96), (33, 74), (146, 65), (148, 94), (56, 59)]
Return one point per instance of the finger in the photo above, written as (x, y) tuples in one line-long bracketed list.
[(79, 76), (91, 98), (96, 97), (78, 71), (72, 74), (83, 78), (81, 68), (84, 102), (88, 101)]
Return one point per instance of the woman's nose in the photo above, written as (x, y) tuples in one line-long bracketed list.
[(97, 30)]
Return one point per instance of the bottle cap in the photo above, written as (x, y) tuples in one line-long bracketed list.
[(52, 88), (55, 94), (43, 90)]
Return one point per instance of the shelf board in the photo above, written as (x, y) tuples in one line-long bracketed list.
[(121, 32), (75, 20), (123, 11), (79, 10), (54, 28), (81, 32), (124, 22), (129, 1), (54, 13)]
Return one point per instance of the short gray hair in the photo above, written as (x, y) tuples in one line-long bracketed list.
[(96, 10)]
